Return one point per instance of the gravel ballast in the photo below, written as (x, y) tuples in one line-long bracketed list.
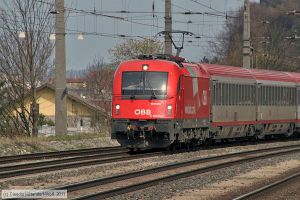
[(51, 179), (167, 190)]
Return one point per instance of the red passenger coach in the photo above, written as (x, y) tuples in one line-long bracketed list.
[(161, 101)]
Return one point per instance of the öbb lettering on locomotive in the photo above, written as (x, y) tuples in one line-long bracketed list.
[(161, 100)]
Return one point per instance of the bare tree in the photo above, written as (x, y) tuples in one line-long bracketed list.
[(99, 83), (270, 27), (132, 48), (25, 58)]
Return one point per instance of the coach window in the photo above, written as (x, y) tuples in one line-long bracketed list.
[(264, 95), (294, 95), (248, 95), (254, 94), (244, 95), (298, 96), (279, 95), (228, 94), (259, 95), (218, 96), (233, 94), (289, 96), (274, 95), (270, 96), (238, 94), (222, 94), (284, 96), (225, 95), (239, 90), (241, 95)]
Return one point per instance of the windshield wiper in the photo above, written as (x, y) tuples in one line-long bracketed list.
[(132, 96), (153, 95)]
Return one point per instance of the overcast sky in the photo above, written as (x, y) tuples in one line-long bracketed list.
[(141, 22)]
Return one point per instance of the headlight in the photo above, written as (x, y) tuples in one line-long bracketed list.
[(169, 107), (145, 67), (117, 109)]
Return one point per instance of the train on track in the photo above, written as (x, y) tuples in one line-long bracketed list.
[(161, 101)]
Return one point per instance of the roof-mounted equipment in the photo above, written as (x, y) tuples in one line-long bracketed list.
[(179, 60)]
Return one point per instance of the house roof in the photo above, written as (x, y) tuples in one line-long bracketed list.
[(74, 97), (69, 80)]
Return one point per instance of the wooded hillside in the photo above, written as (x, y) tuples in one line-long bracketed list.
[(270, 29)]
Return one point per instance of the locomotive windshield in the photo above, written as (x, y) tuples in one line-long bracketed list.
[(144, 84)]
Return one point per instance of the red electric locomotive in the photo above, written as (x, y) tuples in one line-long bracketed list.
[(161, 100), (151, 97)]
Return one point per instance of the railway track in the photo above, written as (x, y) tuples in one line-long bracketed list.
[(133, 181), (268, 188), (58, 154), (69, 163)]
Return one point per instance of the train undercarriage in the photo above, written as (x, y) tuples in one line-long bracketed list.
[(154, 134)]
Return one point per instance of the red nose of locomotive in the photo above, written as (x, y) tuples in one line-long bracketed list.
[(144, 90), (144, 103)]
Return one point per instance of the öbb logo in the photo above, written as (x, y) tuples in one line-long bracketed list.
[(142, 112)]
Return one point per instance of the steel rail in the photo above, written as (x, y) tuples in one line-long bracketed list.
[(123, 152), (14, 173), (101, 181), (267, 187), (56, 154), (150, 183)]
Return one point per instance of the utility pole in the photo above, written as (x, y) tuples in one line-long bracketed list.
[(168, 27), (60, 71), (247, 36)]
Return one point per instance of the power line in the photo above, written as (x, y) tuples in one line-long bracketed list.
[(209, 7)]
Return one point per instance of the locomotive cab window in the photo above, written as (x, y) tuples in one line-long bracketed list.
[(144, 84)]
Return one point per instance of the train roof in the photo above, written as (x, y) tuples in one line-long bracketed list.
[(228, 71), (222, 70), (257, 74), (295, 75), (270, 75)]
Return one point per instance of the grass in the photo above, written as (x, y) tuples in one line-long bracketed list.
[(21, 145), (65, 137)]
